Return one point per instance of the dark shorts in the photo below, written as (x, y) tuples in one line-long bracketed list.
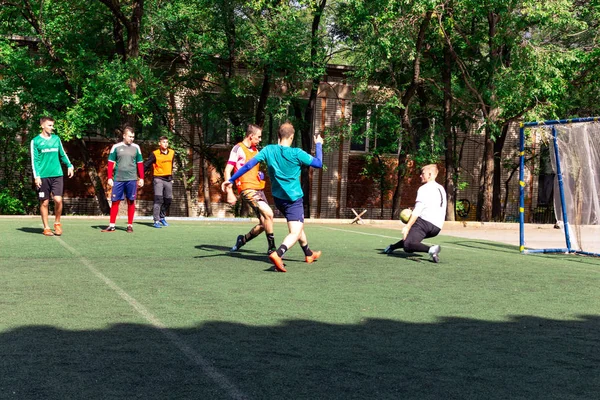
[(422, 229), (291, 210), (124, 189), (253, 196), (49, 186)]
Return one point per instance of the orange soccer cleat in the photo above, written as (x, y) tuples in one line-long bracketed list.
[(315, 256), (279, 266), (58, 229)]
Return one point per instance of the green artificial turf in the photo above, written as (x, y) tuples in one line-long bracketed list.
[(171, 314)]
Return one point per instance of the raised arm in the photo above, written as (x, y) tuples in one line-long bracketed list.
[(317, 161)]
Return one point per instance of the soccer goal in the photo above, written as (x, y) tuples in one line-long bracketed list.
[(575, 158)]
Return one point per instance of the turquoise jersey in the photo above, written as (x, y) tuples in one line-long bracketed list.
[(46, 156), (284, 165)]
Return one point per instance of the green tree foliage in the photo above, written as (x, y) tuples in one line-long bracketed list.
[(424, 67), (508, 59)]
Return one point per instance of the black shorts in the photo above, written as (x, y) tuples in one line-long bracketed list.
[(422, 229), (53, 185)]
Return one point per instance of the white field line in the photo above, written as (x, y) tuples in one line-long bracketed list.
[(189, 352), (445, 246), (388, 237)]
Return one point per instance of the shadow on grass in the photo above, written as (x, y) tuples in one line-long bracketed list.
[(399, 253), (122, 227), (240, 255), (570, 258), (37, 231), (485, 245), (525, 357), (223, 250), (243, 255), (149, 225)]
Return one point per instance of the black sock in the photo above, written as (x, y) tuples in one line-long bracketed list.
[(281, 250), (248, 237), (306, 250), (398, 245), (271, 240)]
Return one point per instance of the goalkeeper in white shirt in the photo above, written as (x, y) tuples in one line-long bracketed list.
[(427, 218)]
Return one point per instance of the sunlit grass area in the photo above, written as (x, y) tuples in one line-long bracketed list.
[(171, 313)]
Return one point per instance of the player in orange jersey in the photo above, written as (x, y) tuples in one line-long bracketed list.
[(250, 187), (161, 161)]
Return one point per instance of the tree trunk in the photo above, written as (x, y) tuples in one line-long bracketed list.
[(309, 111), (497, 188), (133, 27), (449, 138), (171, 118), (262, 100), (404, 115), (90, 167), (186, 187), (397, 198), (487, 178), (208, 211), (484, 205)]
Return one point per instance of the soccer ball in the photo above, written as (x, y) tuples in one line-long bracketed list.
[(405, 215)]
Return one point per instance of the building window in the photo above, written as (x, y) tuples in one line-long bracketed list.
[(361, 121), (371, 131), (215, 130)]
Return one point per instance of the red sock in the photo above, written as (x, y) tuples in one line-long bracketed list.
[(130, 211), (114, 211)]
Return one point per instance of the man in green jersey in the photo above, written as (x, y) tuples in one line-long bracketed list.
[(47, 152)]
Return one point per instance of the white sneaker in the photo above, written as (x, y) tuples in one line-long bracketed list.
[(433, 252)]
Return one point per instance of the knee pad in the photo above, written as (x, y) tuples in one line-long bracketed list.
[(167, 201), (158, 199)]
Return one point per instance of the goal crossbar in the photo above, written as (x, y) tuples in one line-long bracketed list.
[(552, 124)]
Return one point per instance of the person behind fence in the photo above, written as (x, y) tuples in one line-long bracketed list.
[(250, 187), (284, 164), (126, 166), (427, 218), (161, 161), (47, 153)]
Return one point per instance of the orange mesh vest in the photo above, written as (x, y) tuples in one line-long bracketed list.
[(250, 179), (164, 163)]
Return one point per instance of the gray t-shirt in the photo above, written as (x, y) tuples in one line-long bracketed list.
[(126, 158)]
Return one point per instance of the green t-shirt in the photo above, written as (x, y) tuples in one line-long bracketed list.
[(284, 165), (46, 156), (126, 157)]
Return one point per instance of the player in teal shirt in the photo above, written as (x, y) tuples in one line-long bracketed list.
[(47, 152), (284, 164)]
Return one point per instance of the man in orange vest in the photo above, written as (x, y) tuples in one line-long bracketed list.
[(250, 187), (162, 162)]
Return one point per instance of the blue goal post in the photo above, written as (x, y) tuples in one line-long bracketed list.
[(552, 125)]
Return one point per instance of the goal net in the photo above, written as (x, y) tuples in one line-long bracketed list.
[(575, 156)]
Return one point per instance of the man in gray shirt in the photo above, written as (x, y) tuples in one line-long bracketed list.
[(126, 166)]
